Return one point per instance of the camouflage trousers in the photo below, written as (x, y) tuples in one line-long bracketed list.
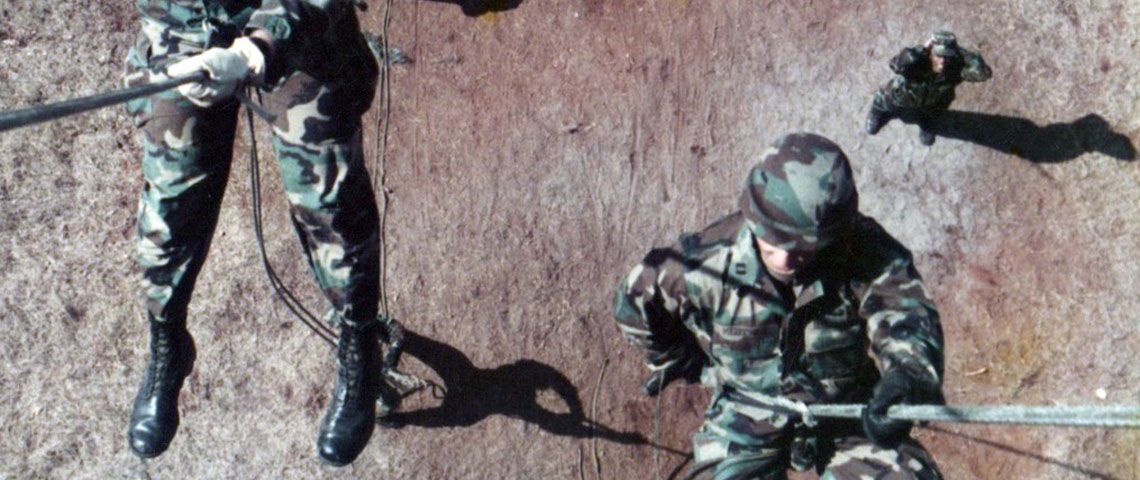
[(317, 141), (743, 442)]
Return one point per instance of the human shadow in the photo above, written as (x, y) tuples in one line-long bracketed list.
[(1088, 472), (472, 394), (474, 8), (1053, 143)]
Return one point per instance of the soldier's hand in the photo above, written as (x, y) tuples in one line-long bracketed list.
[(688, 368), (227, 69), (895, 388)]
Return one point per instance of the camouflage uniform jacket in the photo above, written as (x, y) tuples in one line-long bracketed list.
[(713, 292), (309, 35), (915, 84)]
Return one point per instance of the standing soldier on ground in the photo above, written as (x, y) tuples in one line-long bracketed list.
[(318, 77), (923, 87), (796, 297)]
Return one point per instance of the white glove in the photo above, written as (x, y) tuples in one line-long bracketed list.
[(227, 68)]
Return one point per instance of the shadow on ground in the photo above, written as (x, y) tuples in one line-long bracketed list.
[(471, 394), (1053, 143), (474, 8), (1073, 469)]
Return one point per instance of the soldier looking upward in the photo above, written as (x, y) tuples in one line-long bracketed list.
[(923, 86), (796, 296)]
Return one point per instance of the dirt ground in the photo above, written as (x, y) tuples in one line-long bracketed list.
[(536, 149)]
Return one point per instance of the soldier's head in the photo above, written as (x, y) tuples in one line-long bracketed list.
[(943, 46), (798, 199)]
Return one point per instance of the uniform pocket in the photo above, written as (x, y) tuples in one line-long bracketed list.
[(746, 329), (835, 342), (136, 72)]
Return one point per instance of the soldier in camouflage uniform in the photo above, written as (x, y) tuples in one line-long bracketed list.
[(923, 86), (318, 77), (796, 297)]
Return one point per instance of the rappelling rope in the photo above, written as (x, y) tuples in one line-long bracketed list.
[(11, 119), (379, 179), (404, 383), (304, 315), (1107, 416)]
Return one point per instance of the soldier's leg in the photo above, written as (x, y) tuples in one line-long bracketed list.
[(318, 145), (930, 117), (732, 445), (879, 114), (858, 458), (927, 124), (185, 166)]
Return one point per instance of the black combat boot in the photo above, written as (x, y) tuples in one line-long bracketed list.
[(926, 137), (875, 120), (154, 418), (927, 124), (351, 415)]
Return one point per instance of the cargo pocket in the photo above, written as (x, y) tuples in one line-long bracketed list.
[(137, 72)]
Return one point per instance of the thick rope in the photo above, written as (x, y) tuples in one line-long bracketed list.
[(1109, 416), (41, 113)]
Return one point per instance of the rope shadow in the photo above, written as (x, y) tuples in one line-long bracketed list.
[(475, 8), (1088, 472), (473, 394), (1053, 143)]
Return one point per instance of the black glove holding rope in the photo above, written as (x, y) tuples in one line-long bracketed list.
[(896, 388), (688, 367)]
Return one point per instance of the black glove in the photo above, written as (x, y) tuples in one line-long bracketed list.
[(895, 388), (688, 368)]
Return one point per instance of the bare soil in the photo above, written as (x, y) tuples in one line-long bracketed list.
[(536, 149)]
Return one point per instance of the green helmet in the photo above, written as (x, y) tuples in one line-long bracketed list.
[(801, 193), (943, 43)]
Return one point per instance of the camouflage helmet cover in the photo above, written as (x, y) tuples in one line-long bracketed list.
[(801, 193), (943, 43)]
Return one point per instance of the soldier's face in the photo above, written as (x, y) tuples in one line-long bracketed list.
[(937, 63), (781, 263)]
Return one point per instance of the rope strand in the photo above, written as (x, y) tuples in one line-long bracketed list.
[(304, 315)]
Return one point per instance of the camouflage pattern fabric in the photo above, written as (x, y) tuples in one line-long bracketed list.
[(321, 37), (775, 197), (915, 86), (316, 137), (765, 455), (807, 341)]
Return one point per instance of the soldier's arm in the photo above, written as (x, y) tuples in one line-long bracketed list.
[(907, 60), (976, 69), (903, 325), (283, 26), (650, 306)]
